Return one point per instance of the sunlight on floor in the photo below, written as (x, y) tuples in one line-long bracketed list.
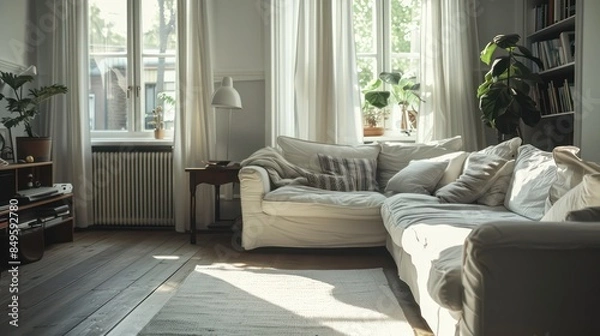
[(166, 257)]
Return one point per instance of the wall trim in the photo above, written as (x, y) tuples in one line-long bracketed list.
[(9, 66), (240, 75)]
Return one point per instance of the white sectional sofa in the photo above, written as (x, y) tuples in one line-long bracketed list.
[(480, 238)]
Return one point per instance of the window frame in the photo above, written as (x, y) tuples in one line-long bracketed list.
[(136, 95)]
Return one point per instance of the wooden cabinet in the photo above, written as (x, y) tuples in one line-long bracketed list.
[(42, 219), (551, 36)]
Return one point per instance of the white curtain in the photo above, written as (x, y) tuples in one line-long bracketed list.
[(195, 122), (449, 72), (323, 101), (61, 58)]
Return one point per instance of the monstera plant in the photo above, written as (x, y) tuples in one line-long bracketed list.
[(504, 95)]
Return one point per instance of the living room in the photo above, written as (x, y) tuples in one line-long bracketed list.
[(125, 262)]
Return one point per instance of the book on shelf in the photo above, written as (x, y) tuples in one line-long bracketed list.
[(551, 11), (555, 52), (553, 99)]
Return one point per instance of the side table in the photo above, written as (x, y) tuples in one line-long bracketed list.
[(216, 176)]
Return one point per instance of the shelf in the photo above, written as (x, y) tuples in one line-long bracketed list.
[(559, 71), (25, 165), (38, 203), (553, 30), (557, 114)]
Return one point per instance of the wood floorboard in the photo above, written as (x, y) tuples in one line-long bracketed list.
[(112, 282)]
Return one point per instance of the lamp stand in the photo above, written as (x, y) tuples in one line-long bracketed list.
[(228, 136)]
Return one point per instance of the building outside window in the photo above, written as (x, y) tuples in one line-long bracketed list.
[(132, 65), (387, 38)]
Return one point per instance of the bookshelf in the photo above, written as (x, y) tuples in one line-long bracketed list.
[(551, 36)]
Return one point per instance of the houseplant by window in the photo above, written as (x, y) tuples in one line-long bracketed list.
[(504, 95), (24, 108), (404, 92)]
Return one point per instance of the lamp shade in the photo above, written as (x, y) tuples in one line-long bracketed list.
[(30, 71), (226, 96)]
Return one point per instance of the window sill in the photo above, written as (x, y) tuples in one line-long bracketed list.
[(129, 142), (392, 136)]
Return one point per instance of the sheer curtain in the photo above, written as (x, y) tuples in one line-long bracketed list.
[(195, 123), (323, 101), (61, 58), (449, 71)]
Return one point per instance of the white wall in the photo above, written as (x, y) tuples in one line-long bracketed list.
[(237, 34)]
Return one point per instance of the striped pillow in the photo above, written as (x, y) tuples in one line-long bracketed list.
[(331, 182), (362, 170)]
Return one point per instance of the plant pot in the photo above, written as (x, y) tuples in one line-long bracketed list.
[(38, 148), (373, 131), (159, 133)]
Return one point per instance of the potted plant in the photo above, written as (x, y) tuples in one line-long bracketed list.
[(504, 95), (158, 122), (404, 92), (24, 108)]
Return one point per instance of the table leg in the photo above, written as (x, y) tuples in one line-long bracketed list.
[(217, 203), (193, 217)]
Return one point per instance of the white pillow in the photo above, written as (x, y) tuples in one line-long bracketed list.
[(419, 177), (481, 171), (303, 153), (585, 194), (396, 156), (454, 166), (570, 170), (532, 177), (495, 195), (507, 149)]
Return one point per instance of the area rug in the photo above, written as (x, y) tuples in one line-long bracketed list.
[(224, 300)]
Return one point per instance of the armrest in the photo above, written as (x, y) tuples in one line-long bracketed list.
[(531, 278), (254, 181)]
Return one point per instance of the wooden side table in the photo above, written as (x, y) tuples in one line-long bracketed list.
[(216, 176)]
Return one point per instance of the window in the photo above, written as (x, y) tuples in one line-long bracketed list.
[(132, 65), (387, 38)]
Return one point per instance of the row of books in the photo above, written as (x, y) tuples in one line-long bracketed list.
[(552, 11), (555, 52), (554, 99)]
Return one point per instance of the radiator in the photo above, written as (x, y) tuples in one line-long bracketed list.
[(133, 188)]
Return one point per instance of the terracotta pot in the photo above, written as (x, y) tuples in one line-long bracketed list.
[(373, 131), (159, 133), (39, 148)]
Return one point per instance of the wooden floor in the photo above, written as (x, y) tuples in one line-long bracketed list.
[(113, 282)]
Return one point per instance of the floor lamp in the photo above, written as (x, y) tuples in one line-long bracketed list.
[(227, 97)]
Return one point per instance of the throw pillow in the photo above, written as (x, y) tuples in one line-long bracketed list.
[(481, 171), (584, 195), (497, 192), (570, 170), (454, 167), (507, 149), (396, 156), (362, 170), (331, 182), (420, 177), (531, 180), (303, 153)]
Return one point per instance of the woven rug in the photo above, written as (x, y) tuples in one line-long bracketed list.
[(224, 300)]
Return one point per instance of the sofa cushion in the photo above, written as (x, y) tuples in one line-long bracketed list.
[(533, 175), (401, 211), (331, 182), (570, 170), (303, 201), (454, 167), (304, 153), (481, 171), (584, 195), (497, 192), (362, 170), (396, 156), (420, 177)]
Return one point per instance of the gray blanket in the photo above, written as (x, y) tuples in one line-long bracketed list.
[(281, 172)]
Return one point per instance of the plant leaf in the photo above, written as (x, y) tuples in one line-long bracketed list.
[(390, 77), (488, 52), (529, 112), (507, 41), (378, 99), (532, 58), (500, 65)]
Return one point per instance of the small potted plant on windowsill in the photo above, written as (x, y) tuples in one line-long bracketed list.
[(24, 109), (404, 92), (158, 122)]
